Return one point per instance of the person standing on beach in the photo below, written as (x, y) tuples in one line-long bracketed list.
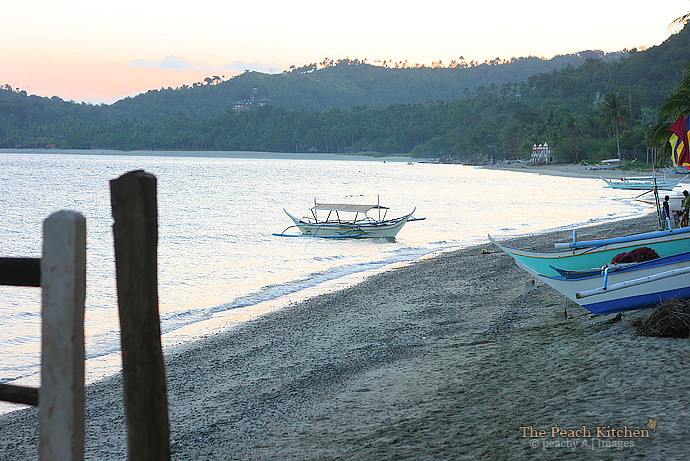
[(686, 208), (666, 212)]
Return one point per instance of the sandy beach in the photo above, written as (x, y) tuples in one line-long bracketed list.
[(448, 357), (574, 170)]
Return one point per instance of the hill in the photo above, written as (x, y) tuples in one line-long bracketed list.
[(645, 76), (344, 84)]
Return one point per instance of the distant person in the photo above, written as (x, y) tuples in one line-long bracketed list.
[(686, 209), (666, 212)]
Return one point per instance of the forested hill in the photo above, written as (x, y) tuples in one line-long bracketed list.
[(644, 76), (346, 83), (471, 112)]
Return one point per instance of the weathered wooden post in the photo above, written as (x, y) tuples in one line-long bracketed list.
[(63, 283), (135, 231)]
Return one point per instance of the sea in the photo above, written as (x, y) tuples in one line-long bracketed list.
[(220, 265)]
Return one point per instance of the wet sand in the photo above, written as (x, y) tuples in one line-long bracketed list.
[(450, 357)]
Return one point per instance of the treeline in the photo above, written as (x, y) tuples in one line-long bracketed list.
[(497, 125)]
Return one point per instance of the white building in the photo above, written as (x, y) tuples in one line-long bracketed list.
[(541, 153)]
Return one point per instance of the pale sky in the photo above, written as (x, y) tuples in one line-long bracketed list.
[(100, 51)]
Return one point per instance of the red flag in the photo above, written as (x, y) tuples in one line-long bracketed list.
[(680, 129)]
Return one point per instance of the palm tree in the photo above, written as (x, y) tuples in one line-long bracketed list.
[(676, 104), (613, 114)]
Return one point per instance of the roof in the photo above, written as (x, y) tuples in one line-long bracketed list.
[(346, 207)]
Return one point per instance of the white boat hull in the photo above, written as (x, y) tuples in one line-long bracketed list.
[(635, 184), (640, 286), (585, 273), (383, 229)]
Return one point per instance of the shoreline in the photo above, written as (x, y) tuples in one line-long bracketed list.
[(444, 358), (575, 171), (211, 154)]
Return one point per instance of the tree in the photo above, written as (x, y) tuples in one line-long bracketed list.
[(613, 114), (676, 104), (680, 22)]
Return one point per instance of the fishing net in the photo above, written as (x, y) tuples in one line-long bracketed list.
[(637, 255), (671, 319)]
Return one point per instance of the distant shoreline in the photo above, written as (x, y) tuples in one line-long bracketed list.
[(572, 170), (216, 154)]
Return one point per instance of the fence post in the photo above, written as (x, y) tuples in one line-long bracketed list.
[(63, 283), (135, 232)]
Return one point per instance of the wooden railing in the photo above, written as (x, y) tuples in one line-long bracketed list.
[(61, 274), (20, 272)]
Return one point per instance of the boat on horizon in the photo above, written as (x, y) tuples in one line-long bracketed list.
[(588, 272), (344, 220)]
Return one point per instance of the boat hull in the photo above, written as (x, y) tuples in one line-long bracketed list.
[(600, 294), (598, 254), (383, 229), (632, 184), (661, 186), (593, 262)]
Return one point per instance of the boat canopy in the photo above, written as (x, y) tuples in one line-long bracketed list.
[(347, 207)]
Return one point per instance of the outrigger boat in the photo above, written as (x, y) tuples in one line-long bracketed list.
[(607, 165), (584, 255), (626, 287), (344, 220), (642, 183), (584, 272)]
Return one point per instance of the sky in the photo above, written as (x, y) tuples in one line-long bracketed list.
[(98, 51)]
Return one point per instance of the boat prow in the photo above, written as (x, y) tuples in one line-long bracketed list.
[(294, 219)]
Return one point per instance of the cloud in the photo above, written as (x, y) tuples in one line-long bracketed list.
[(179, 64), (174, 63)]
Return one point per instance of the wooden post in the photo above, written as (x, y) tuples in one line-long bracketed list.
[(135, 231), (63, 283)]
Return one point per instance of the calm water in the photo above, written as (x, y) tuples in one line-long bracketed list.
[(219, 263)]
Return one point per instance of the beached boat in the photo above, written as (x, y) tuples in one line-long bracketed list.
[(587, 254), (625, 287), (642, 183), (676, 170), (343, 220), (606, 165), (584, 271)]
